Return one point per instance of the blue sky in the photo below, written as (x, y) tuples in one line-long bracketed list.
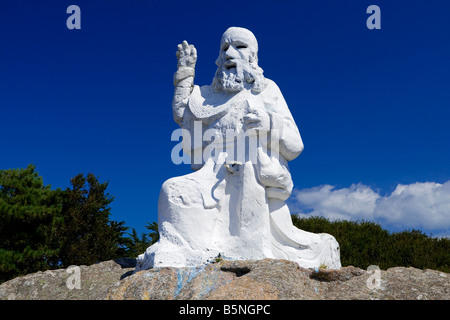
[(372, 106)]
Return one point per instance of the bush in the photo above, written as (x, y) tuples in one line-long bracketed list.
[(365, 243)]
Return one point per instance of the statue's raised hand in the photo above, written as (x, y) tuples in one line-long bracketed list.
[(186, 55)]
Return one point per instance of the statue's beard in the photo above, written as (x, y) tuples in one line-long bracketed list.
[(242, 76), (231, 80)]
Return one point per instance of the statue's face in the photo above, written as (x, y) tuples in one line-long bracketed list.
[(237, 47), (237, 61)]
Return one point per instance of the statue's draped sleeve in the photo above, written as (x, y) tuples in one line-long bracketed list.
[(183, 81), (290, 144)]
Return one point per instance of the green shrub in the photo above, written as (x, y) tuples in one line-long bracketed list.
[(365, 243)]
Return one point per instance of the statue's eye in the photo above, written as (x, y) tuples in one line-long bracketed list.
[(241, 46)]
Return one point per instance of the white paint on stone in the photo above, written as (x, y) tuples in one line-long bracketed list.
[(233, 202)]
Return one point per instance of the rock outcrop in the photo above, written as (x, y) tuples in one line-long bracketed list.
[(267, 279), (95, 282)]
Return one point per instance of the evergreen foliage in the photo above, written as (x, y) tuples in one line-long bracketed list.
[(364, 243), (137, 245), (29, 214), (45, 229), (87, 235)]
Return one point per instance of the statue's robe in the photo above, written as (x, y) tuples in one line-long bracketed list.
[(233, 204)]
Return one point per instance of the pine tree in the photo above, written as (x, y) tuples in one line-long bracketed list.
[(136, 245), (154, 234), (29, 214), (88, 236)]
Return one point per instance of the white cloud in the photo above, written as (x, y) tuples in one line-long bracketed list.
[(418, 205), (358, 201), (424, 205)]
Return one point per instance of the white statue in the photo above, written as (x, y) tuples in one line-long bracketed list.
[(233, 205)]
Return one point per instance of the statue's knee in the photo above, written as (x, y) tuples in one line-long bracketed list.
[(170, 186), (180, 191)]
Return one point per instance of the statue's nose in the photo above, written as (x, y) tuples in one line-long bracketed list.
[(230, 53)]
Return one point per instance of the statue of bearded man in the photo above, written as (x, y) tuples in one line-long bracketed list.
[(233, 204)]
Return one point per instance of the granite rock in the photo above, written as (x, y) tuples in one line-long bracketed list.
[(268, 279), (95, 281)]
